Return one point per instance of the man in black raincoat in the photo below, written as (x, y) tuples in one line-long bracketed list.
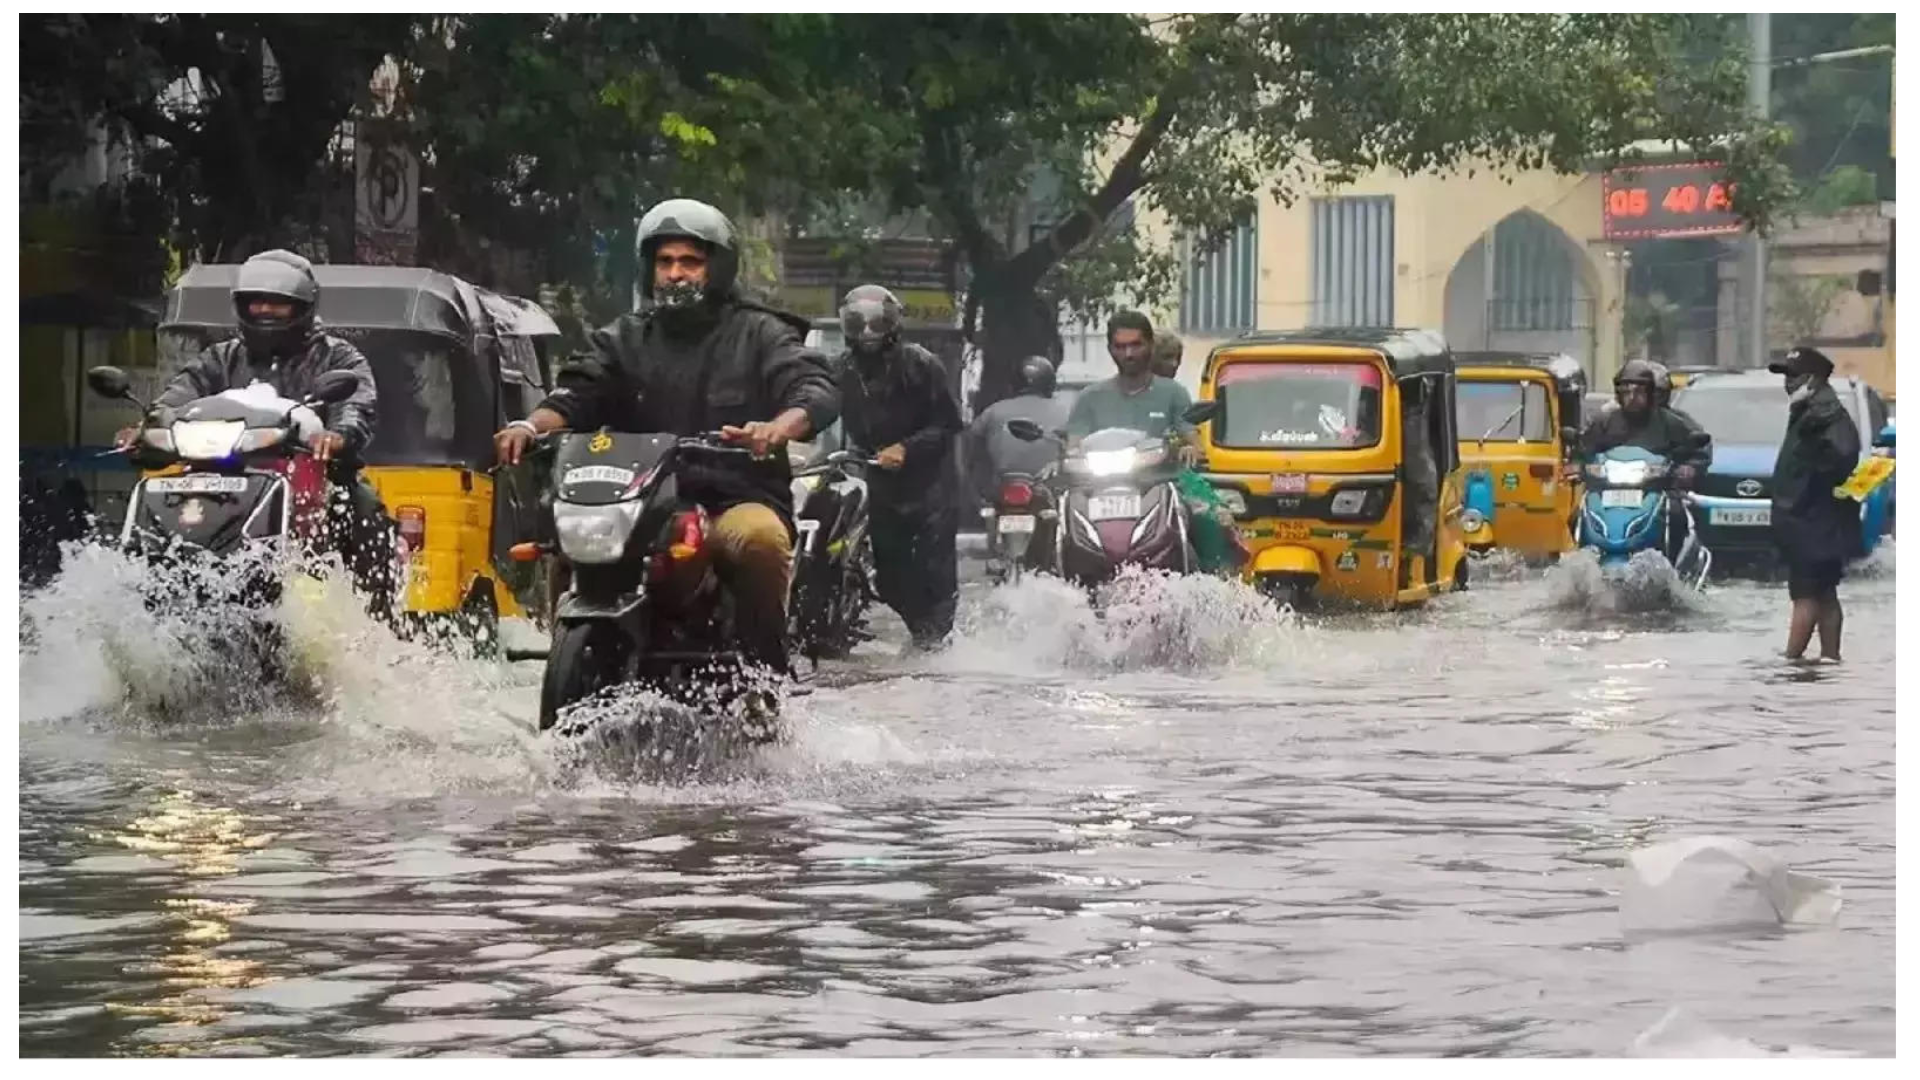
[(1816, 530), (283, 344), (703, 355), (900, 407), (1641, 420)]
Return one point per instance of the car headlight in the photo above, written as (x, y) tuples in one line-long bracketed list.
[(1348, 503), (206, 440), (1627, 473), (257, 439), (595, 534), (1233, 499)]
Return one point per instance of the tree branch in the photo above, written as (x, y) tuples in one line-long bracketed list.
[(1129, 175), (950, 185)]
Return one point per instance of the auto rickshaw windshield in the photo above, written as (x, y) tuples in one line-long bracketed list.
[(1323, 406), (1510, 411)]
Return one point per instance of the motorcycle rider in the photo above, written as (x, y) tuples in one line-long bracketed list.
[(1640, 421), (1168, 350), (282, 343), (900, 407), (701, 355), (1135, 397), (994, 452)]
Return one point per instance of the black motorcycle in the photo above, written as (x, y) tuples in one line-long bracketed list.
[(832, 558), (644, 604)]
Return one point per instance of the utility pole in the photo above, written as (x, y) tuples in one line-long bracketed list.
[(1759, 93)]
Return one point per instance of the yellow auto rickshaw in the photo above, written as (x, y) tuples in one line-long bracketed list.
[(452, 362), (1519, 420), (1335, 451)]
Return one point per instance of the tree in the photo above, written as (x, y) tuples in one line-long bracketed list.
[(230, 118), (1801, 304), (1194, 117), (1839, 111)]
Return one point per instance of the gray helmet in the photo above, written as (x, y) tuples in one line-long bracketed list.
[(276, 275), (1035, 376), (1662, 383), (690, 219), (870, 316)]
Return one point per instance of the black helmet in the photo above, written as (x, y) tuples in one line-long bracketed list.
[(870, 316), (690, 219), (1636, 371), (276, 275), (1035, 376)]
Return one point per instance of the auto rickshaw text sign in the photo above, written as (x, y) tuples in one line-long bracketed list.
[(1645, 202)]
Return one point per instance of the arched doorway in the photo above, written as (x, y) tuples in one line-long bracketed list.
[(1524, 286)]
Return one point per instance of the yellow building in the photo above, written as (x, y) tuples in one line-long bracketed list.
[(1492, 262)]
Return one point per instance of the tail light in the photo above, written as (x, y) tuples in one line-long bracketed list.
[(689, 534), (1016, 493), (413, 526), (1542, 470)]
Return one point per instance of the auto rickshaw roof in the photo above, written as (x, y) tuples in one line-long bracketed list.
[(359, 297), (1564, 369), (1409, 351)]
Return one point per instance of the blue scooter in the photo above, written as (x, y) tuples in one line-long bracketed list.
[(1625, 512)]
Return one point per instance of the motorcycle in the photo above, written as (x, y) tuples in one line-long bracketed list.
[(644, 604), (248, 491), (1116, 503), (833, 558), (1022, 503), (1625, 512)]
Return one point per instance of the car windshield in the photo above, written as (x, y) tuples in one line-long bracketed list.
[(1742, 415), (1275, 406), (1509, 411)]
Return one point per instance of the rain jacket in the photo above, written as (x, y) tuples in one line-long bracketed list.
[(1821, 449), (227, 365)]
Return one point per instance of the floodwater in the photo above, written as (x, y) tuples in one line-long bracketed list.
[(1194, 827)]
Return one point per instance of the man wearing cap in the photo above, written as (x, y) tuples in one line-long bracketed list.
[(1816, 530)]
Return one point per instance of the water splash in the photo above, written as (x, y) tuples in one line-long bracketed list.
[(1645, 584), (1143, 619)]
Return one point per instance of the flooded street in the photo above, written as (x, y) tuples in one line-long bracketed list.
[(1196, 827)]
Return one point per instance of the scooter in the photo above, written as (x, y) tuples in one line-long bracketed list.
[(1625, 512), (1117, 503)]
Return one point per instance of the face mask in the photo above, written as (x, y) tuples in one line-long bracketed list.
[(678, 295)]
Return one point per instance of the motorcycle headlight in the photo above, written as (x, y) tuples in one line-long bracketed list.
[(207, 440), (257, 439), (1627, 473), (1471, 521), (595, 534)]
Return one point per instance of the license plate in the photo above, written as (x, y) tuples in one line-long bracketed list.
[(599, 474), (1017, 523), (1292, 530), (1111, 507), (1744, 516), (1622, 498), (1289, 483), (200, 484)]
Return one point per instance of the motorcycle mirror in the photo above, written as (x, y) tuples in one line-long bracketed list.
[(111, 382), (334, 387), (1025, 430), (1200, 412)]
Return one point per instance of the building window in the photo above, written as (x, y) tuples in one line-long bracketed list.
[(1217, 294), (1532, 276), (1352, 261)]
